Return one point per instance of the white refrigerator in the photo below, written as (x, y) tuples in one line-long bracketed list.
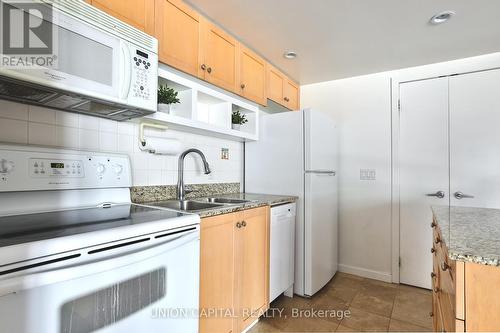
[(297, 155)]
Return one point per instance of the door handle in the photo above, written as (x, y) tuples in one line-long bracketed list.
[(438, 194), (459, 195)]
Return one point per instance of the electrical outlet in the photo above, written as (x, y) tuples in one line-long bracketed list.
[(224, 153), (367, 174)]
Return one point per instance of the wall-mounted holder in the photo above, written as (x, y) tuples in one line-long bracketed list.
[(142, 139)]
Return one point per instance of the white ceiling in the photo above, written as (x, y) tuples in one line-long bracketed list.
[(344, 38)]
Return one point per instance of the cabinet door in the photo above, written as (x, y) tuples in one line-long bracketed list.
[(218, 51), (275, 85), (253, 252), (252, 71), (177, 29), (137, 13), (217, 271), (291, 95)]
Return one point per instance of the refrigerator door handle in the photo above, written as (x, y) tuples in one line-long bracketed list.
[(324, 172)]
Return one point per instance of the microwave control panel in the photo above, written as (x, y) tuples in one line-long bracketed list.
[(144, 75)]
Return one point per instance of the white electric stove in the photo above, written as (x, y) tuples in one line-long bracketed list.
[(77, 256)]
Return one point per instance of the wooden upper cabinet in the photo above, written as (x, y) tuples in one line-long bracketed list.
[(275, 85), (138, 13), (177, 29), (254, 264), (282, 90), (252, 76), (218, 52), (291, 95)]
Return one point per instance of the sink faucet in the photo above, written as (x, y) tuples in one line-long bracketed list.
[(181, 190)]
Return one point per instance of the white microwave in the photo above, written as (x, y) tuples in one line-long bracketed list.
[(102, 67)]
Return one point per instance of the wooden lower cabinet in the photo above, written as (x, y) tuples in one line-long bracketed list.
[(465, 296), (234, 271)]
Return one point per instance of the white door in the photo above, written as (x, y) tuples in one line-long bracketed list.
[(321, 230), (320, 141), (475, 139), (423, 163)]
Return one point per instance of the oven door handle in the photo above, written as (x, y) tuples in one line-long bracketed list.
[(73, 270)]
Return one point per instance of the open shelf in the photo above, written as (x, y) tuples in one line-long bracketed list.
[(204, 109)]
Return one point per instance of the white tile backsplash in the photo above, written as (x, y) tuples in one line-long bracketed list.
[(20, 123), (88, 139), (88, 122), (13, 110), (43, 115), (41, 134), (15, 131), (66, 119)]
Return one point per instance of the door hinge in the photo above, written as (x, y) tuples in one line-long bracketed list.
[(399, 261), (399, 105)]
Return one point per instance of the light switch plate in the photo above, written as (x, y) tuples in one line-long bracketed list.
[(224, 153), (367, 174)]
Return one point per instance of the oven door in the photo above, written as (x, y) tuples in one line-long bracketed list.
[(88, 61), (154, 289)]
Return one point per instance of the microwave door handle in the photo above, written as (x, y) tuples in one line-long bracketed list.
[(126, 70), (59, 274)]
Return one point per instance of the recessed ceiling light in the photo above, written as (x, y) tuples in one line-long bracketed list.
[(290, 55), (442, 17)]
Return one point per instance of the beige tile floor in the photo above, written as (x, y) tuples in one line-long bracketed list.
[(370, 306)]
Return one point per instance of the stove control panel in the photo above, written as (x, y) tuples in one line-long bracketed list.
[(24, 168), (58, 168)]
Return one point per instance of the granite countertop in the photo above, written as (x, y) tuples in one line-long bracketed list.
[(470, 234), (256, 200)]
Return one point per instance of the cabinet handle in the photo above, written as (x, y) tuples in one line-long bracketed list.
[(431, 314), (433, 250), (243, 224), (433, 224), (238, 225), (209, 70), (438, 240), (433, 275), (286, 99), (203, 67), (436, 290), (445, 266), (242, 86)]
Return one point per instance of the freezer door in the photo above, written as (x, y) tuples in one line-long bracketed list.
[(320, 141), (321, 230)]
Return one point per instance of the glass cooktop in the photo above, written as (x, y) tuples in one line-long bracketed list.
[(19, 229)]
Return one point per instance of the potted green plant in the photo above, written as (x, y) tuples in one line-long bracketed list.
[(238, 119), (166, 97)]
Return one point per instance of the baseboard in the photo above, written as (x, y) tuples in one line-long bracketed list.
[(367, 273)]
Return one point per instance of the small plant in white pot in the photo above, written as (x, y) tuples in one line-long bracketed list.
[(238, 119), (166, 97)]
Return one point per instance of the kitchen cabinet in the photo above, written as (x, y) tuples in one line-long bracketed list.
[(217, 271), (234, 269), (218, 52), (291, 92), (252, 76), (464, 299), (138, 13), (281, 89), (177, 28)]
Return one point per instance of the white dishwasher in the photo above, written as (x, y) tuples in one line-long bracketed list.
[(282, 250)]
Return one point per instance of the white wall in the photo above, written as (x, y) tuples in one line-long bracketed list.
[(20, 123), (362, 106)]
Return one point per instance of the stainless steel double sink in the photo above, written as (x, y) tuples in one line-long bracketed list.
[(198, 205)]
